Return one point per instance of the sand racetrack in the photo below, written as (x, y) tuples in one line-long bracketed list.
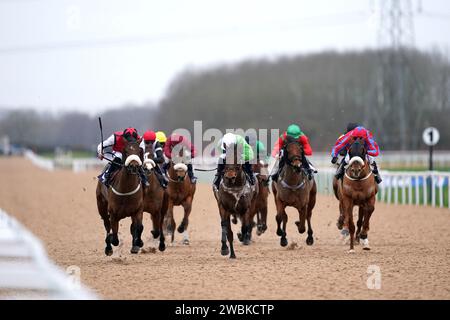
[(411, 245)]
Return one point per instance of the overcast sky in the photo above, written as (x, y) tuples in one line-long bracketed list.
[(58, 55)]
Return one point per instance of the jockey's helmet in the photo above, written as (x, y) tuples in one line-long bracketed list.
[(149, 135), (294, 131), (130, 134), (351, 126), (161, 137)]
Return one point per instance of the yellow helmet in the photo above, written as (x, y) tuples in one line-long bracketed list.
[(161, 137)]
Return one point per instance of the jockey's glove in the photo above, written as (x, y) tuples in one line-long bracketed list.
[(334, 160)]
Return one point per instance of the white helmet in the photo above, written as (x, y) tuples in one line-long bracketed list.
[(228, 138)]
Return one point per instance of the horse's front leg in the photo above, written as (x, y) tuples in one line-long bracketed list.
[(302, 219), (368, 210), (281, 217), (224, 227), (136, 229), (169, 223), (359, 223), (187, 206), (347, 205)]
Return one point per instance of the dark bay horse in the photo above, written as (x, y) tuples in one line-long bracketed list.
[(235, 196), (155, 198), (357, 188), (262, 174), (124, 198), (180, 192), (295, 190)]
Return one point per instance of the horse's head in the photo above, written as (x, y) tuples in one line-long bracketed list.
[(132, 156), (357, 153), (262, 171), (293, 153), (149, 164)]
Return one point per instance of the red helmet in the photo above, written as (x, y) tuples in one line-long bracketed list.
[(149, 135), (130, 134)]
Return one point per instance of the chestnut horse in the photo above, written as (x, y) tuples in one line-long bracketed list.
[(180, 192), (155, 198), (262, 174), (237, 197), (357, 188), (295, 190), (124, 198)]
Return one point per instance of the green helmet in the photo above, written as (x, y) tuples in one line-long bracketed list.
[(294, 131)]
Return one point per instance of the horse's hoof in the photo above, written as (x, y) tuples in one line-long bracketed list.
[(365, 243), (185, 242), (264, 227), (283, 242), (115, 241), (140, 243), (301, 230), (155, 234), (258, 232), (239, 235), (162, 247), (180, 228), (108, 251), (134, 249), (224, 252), (351, 251), (246, 242), (310, 241), (232, 256)]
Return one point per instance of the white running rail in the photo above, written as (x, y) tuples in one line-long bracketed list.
[(25, 270), (398, 187), (39, 161)]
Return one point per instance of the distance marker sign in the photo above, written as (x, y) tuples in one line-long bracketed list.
[(430, 136)]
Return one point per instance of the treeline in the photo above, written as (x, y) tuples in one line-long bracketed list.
[(73, 130), (321, 92)]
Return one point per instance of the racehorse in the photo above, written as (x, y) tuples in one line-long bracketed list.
[(235, 196), (124, 198), (155, 198), (262, 174), (180, 192), (357, 188), (294, 189)]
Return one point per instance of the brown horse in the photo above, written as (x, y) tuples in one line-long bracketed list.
[(357, 188), (180, 192), (262, 173), (295, 190), (124, 198), (235, 197), (155, 198)]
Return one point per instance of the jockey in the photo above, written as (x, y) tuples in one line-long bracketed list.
[(161, 137), (117, 142), (174, 140), (294, 131), (149, 139), (246, 156), (343, 143)]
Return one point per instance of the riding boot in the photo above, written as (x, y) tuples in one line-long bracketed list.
[(341, 170), (378, 179), (307, 167), (111, 168), (280, 167), (191, 174), (143, 176), (248, 170), (218, 177), (161, 177)]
